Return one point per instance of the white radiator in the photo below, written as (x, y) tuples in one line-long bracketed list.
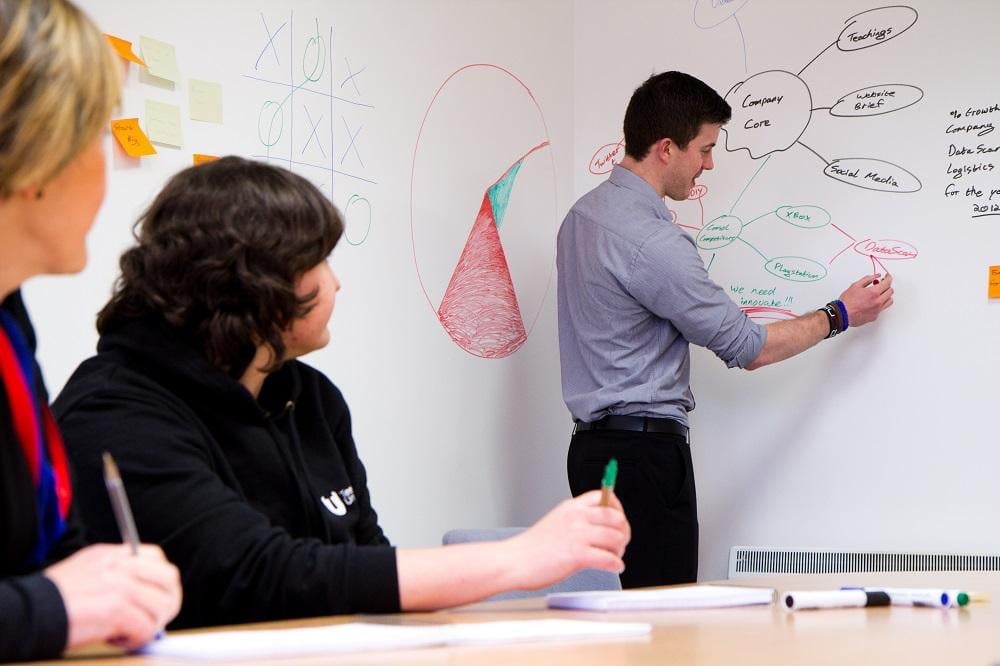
[(745, 561)]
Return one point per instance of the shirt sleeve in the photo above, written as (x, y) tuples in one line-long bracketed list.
[(669, 278), (33, 622), (236, 566)]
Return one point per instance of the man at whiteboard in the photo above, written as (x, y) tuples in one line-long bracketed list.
[(633, 295)]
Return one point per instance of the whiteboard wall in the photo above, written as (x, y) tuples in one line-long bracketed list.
[(884, 438), (413, 115)]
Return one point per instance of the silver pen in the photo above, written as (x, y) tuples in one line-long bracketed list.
[(119, 503)]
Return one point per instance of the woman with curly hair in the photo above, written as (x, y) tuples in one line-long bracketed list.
[(239, 458), (59, 82)]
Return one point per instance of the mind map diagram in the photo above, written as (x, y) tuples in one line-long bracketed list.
[(771, 112)]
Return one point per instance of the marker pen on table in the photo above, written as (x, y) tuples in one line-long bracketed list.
[(916, 596), (959, 598), (970, 597), (811, 599), (608, 482)]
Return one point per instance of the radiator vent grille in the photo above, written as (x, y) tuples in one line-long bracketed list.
[(744, 561)]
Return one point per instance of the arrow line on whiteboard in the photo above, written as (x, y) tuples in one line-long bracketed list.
[(754, 249), (766, 160), (757, 218), (746, 68), (825, 161), (814, 59), (844, 232), (849, 246)]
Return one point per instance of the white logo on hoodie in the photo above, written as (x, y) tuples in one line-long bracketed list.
[(334, 504), (338, 501)]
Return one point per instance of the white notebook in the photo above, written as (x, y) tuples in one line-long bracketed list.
[(371, 637), (690, 596)]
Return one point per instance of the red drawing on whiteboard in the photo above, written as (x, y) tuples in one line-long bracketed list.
[(479, 308), (606, 157), (490, 298)]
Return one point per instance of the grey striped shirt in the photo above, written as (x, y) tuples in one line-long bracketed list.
[(633, 293)]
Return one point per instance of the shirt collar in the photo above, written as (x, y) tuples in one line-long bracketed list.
[(622, 177)]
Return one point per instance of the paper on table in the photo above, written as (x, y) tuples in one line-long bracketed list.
[(519, 631), (691, 596), (367, 637)]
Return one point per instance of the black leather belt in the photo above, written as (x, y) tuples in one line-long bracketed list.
[(635, 424)]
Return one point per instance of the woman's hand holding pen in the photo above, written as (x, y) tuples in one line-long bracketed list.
[(115, 596), (577, 534)]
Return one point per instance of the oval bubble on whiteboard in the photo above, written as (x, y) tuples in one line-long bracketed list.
[(770, 112), (697, 192), (606, 157), (876, 100), (807, 217), (886, 248), (875, 26), (720, 232), (872, 174), (710, 13), (796, 269)]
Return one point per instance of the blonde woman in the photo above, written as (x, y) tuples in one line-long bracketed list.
[(58, 85)]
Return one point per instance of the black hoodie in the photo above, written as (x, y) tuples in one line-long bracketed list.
[(262, 504)]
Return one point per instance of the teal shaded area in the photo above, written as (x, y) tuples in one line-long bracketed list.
[(499, 193)]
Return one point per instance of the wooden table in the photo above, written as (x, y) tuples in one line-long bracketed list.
[(750, 635)]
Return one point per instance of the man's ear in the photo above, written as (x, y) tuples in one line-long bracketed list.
[(665, 148)]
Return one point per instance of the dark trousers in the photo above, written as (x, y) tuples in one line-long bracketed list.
[(656, 488)]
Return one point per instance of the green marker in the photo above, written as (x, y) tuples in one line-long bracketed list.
[(608, 482)]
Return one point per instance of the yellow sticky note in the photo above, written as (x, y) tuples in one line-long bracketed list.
[(205, 100), (163, 122), (994, 282), (131, 137), (201, 158), (124, 49), (160, 57)]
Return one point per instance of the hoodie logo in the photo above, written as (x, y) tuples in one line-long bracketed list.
[(338, 501)]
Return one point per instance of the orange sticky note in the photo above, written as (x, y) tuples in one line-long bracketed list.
[(124, 49), (131, 137), (200, 158), (994, 282)]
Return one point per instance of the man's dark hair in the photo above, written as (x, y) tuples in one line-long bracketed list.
[(218, 255), (670, 105)]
